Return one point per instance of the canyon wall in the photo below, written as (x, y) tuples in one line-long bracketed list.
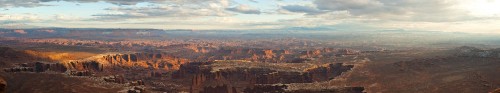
[(146, 60), (239, 77)]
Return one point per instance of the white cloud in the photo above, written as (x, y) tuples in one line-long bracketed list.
[(36, 3), (63, 17), (245, 9), (404, 10), (23, 3), (441, 15), (348, 4), (18, 20), (302, 9), (20, 17), (124, 13)]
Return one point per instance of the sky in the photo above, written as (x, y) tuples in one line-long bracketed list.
[(471, 16)]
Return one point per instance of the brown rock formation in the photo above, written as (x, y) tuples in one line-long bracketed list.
[(136, 83), (287, 52), (41, 67), (80, 73), (328, 72), (496, 91), (199, 49), (146, 60), (115, 79), (3, 85), (136, 89), (19, 69), (85, 66), (269, 54), (219, 89), (38, 67), (198, 81)]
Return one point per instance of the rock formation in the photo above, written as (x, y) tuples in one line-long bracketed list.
[(328, 72), (3, 85), (38, 67), (145, 60), (496, 91), (19, 69), (41, 67), (84, 66), (136, 83), (80, 73), (115, 79), (136, 89)]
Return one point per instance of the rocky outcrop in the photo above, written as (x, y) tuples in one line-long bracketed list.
[(269, 54), (146, 60), (136, 89), (115, 79), (3, 85), (38, 67), (198, 82), (496, 91), (19, 69), (76, 68), (199, 49), (136, 83), (86, 67), (189, 70), (121, 80), (93, 66), (328, 72), (42, 67), (80, 73)]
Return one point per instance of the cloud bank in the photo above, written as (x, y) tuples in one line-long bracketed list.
[(440, 15)]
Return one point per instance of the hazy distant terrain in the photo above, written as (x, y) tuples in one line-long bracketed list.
[(384, 38)]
